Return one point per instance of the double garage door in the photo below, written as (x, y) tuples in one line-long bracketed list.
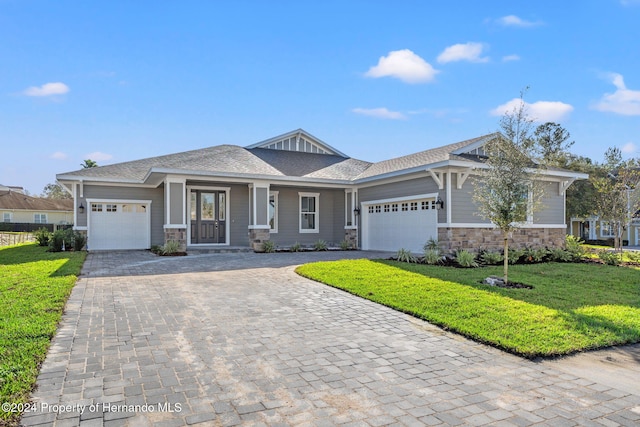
[(391, 225), (119, 225)]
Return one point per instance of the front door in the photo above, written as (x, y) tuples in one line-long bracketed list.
[(208, 216)]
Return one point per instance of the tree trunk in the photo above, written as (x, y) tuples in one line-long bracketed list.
[(506, 259)]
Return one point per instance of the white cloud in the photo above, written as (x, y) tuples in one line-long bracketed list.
[(58, 155), (463, 52), (515, 21), (404, 65), (541, 111), (47, 89), (629, 147), (623, 101), (509, 58), (380, 113), (98, 156)]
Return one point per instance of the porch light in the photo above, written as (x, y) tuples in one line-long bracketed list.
[(440, 203), (356, 211), (81, 208)]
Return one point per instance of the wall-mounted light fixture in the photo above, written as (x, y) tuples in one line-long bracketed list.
[(81, 208), (356, 211), (440, 203)]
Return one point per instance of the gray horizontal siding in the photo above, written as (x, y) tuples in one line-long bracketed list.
[(156, 195), (238, 214), (463, 208), (551, 209), (331, 216)]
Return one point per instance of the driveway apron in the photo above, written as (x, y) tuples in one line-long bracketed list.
[(240, 339)]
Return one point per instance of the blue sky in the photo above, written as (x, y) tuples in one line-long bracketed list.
[(123, 80)]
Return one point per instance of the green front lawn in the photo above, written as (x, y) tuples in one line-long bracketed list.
[(573, 307), (34, 286)]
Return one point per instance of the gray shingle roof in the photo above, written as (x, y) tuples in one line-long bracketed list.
[(236, 160)]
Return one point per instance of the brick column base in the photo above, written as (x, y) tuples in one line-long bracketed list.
[(257, 236), (177, 234)]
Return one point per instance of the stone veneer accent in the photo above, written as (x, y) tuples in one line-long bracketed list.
[(257, 236), (177, 234), (475, 239), (351, 236)]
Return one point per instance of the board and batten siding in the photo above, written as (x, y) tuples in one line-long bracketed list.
[(238, 200), (156, 195), (331, 216)]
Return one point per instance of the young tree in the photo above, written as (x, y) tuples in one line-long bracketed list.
[(617, 195), (88, 163), (506, 192), (55, 191)]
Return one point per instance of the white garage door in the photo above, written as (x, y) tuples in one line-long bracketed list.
[(119, 225), (391, 225)]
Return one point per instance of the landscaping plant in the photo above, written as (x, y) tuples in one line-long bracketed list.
[(405, 255), (320, 245), (268, 246), (466, 259)]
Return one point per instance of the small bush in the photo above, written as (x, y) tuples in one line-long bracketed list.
[(633, 256), (268, 246), (535, 255), (515, 255), (405, 255), (345, 245), (491, 258), (609, 257), (320, 245), (432, 244), (466, 259), (171, 247), (559, 255), (42, 236), (61, 240), (296, 247), (574, 247), (156, 249), (79, 240), (432, 256)]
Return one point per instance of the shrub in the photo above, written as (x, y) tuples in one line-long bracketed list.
[(320, 245), (559, 255), (79, 240), (574, 247), (515, 255), (345, 245), (296, 247), (491, 258), (42, 236), (156, 249), (405, 255), (268, 246), (466, 259), (535, 255), (432, 244), (171, 247), (609, 257), (61, 240), (633, 256), (432, 256)]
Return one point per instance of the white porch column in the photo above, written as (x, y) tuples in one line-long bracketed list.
[(175, 217), (259, 228)]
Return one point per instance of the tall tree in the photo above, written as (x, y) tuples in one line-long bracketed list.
[(507, 191), (88, 163), (55, 191), (552, 144)]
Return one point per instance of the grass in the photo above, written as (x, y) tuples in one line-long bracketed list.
[(573, 307), (34, 287)]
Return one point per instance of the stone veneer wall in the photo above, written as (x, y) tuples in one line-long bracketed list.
[(475, 239), (257, 236), (351, 236), (177, 234)]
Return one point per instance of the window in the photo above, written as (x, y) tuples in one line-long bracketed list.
[(386, 208), (377, 208), (394, 207), (6, 217), (405, 207), (370, 208), (414, 206), (309, 212), (607, 229), (40, 218), (112, 208), (96, 207), (273, 211)]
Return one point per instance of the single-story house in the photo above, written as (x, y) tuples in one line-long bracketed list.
[(592, 228), (20, 212), (296, 188)]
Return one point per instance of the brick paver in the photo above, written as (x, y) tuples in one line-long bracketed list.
[(240, 339)]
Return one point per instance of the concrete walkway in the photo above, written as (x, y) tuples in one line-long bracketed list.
[(240, 339)]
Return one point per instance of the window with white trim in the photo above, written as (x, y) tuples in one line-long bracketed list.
[(6, 217), (273, 211), (309, 212), (96, 207), (607, 229), (40, 218)]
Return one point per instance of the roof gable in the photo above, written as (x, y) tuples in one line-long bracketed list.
[(298, 140)]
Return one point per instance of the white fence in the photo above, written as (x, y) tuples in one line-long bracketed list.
[(7, 239)]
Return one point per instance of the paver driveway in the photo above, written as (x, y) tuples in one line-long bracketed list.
[(232, 339)]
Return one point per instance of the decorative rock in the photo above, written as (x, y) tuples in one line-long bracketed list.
[(493, 281)]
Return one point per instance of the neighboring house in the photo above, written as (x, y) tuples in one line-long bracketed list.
[(591, 228), (296, 188), (25, 213)]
